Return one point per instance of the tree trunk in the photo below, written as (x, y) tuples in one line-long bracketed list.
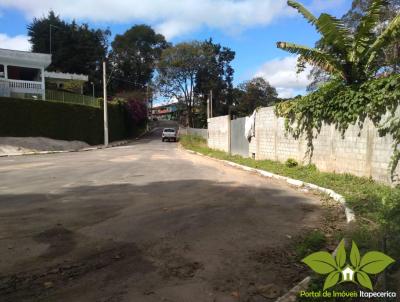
[(190, 115)]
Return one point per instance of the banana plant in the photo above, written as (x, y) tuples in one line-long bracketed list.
[(351, 56)]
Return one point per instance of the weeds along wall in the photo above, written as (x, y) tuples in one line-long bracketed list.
[(22, 118)]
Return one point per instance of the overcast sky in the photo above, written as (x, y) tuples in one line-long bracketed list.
[(249, 27)]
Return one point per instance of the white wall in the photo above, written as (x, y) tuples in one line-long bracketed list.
[(360, 152), (219, 133)]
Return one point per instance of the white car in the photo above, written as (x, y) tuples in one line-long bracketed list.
[(169, 134)]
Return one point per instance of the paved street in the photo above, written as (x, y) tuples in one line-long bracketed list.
[(144, 222)]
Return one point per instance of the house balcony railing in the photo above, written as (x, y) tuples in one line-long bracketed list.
[(31, 87), (4, 87), (9, 87), (33, 90)]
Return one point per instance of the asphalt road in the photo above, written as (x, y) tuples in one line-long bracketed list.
[(145, 222)]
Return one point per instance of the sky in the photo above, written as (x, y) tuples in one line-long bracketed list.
[(249, 27)]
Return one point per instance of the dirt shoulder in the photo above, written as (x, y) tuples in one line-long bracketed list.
[(22, 145)]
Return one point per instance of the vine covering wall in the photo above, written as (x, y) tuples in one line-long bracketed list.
[(342, 106)]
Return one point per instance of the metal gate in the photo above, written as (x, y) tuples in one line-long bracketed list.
[(239, 144)]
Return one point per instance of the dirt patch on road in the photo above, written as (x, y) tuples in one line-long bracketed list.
[(61, 241), (38, 284)]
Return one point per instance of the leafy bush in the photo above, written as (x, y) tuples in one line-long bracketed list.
[(290, 162), (137, 111)]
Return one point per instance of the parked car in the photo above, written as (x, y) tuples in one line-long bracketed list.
[(169, 134)]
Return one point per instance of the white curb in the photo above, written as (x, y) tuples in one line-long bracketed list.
[(289, 296)]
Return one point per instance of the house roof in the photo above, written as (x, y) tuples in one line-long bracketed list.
[(24, 58), (165, 105), (66, 76)]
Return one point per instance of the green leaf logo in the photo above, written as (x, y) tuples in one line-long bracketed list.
[(355, 257), (341, 255), (331, 280), (338, 270), (364, 280), (321, 262), (375, 262)]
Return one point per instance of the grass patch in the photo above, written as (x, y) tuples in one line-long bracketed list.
[(362, 194), (313, 241)]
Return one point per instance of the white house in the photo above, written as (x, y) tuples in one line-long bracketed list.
[(22, 74)]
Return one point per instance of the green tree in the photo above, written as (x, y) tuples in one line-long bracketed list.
[(75, 48), (134, 55), (253, 94), (178, 70), (359, 9), (388, 58), (350, 55), (218, 77)]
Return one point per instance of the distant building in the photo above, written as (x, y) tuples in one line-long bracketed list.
[(166, 112)]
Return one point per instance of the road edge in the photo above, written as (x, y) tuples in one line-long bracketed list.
[(350, 216)]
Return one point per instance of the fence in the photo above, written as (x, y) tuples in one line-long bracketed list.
[(194, 131), (72, 98), (239, 145), (361, 152)]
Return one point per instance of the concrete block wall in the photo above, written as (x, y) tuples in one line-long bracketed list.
[(360, 152), (219, 133), (194, 131)]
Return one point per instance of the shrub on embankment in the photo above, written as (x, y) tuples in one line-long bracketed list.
[(22, 118)]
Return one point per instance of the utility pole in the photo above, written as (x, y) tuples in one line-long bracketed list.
[(147, 106), (208, 107), (51, 25), (105, 105), (211, 104), (92, 88)]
